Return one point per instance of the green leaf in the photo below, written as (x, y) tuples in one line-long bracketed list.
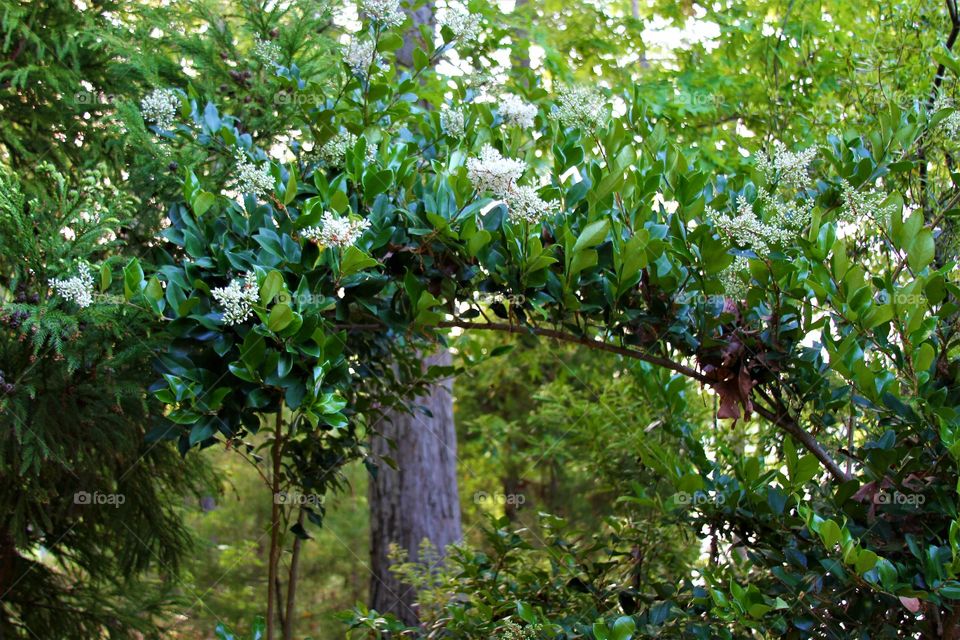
[(355, 260), (390, 41), (132, 279), (526, 612), (420, 59), (223, 634), (200, 432), (920, 250), (272, 285), (623, 628), (923, 357), (829, 533), (290, 192), (887, 573), (280, 316), (477, 241), (339, 202), (153, 290), (202, 202), (592, 235), (106, 277), (259, 628), (376, 182), (866, 560)]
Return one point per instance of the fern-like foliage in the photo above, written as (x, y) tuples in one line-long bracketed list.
[(75, 417)]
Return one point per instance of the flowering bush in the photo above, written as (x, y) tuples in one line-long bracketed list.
[(808, 285)]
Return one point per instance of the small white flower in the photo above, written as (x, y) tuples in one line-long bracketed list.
[(783, 214), (253, 179), (580, 107), (745, 229), (336, 232), (333, 152), (950, 124), (791, 167), (238, 298), (160, 107), (524, 204), (492, 172), (464, 25), (453, 121), (359, 56), (267, 51), (861, 208), (78, 289), (387, 12), (734, 277), (515, 111)]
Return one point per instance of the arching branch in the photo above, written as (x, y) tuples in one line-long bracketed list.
[(780, 418)]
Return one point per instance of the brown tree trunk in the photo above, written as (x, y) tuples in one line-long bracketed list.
[(419, 500)]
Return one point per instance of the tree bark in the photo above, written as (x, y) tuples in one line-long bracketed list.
[(420, 499), (273, 601), (412, 39), (292, 583)]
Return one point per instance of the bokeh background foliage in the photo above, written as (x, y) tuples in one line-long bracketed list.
[(706, 352)]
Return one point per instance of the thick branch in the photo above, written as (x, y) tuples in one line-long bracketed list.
[(593, 344), (780, 419), (805, 438)]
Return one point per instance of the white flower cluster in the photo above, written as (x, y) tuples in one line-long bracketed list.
[(336, 232), (524, 204), (160, 107), (267, 51), (333, 152), (513, 631), (747, 230), (492, 172), (580, 107), (784, 214), (514, 110), (950, 124), (732, 278), (464, 25), (78, 289), (790, 166), (251, 178), (359, 56), (480, 81), (453, 121), (865, 207), (238, 298), (386, 12)]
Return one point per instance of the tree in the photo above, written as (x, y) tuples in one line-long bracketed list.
[(80, 477), (801, 284), (418, 500)]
